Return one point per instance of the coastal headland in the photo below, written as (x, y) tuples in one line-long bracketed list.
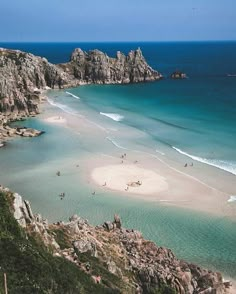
[(24, 78)]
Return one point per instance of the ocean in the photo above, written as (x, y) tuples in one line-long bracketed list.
[(180, 121)]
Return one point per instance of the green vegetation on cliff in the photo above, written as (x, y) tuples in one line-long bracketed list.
[(67, 258), (31, 268)]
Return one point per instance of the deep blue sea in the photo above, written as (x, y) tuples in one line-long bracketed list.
[(191, 120)]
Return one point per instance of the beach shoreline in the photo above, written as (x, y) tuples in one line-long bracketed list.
[(165, 186), (181, 191), (161, 182)]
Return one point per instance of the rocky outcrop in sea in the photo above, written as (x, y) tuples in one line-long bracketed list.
[(142, 265), (23, 75), (97, 67)]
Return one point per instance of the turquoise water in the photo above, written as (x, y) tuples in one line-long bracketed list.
[(197, 116), (190, 115), (209, 241), (196, 237)]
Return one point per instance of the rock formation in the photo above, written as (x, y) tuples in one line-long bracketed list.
[(96, 67), (141, 264), (23, 76)]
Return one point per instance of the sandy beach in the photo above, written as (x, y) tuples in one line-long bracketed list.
[(129, 178), (159, 183), (108, 170)]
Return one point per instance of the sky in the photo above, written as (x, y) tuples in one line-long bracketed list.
[(117, 20)]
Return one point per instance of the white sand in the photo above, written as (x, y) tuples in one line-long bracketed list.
[(170, 185), (56, 119), (119, 177), (160, 183)]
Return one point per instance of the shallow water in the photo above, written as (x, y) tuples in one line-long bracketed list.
[(196, 116), (32, 164)]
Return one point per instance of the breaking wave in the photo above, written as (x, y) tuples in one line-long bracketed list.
[(72, 95), (115, 143), (63, 107), (221, 164), (114, 116)]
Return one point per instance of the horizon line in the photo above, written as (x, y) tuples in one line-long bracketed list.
[(161, 41)]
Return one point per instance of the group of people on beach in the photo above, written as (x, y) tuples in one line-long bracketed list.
[(132, 184), (123, 156), (58, 173), (62, 195), (189, 165)]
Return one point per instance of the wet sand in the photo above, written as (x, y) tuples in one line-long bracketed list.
[(161, 181)]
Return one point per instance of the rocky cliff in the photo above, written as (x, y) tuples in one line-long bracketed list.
[(140, 264), (96, 67), (23, 76)]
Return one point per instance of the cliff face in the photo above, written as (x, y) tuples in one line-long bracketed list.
[(30, 266), (96, 67), (21, 75), (140, 264)]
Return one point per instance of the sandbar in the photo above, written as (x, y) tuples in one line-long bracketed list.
[(129, 178)]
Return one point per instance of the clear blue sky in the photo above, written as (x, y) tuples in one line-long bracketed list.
[(117, 20)]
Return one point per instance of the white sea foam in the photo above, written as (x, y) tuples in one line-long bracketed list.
[(114, 116), (232, 199), (115, 143), (221, 164), (158, 151), (63, 107), (69, 110), (76, 97)]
